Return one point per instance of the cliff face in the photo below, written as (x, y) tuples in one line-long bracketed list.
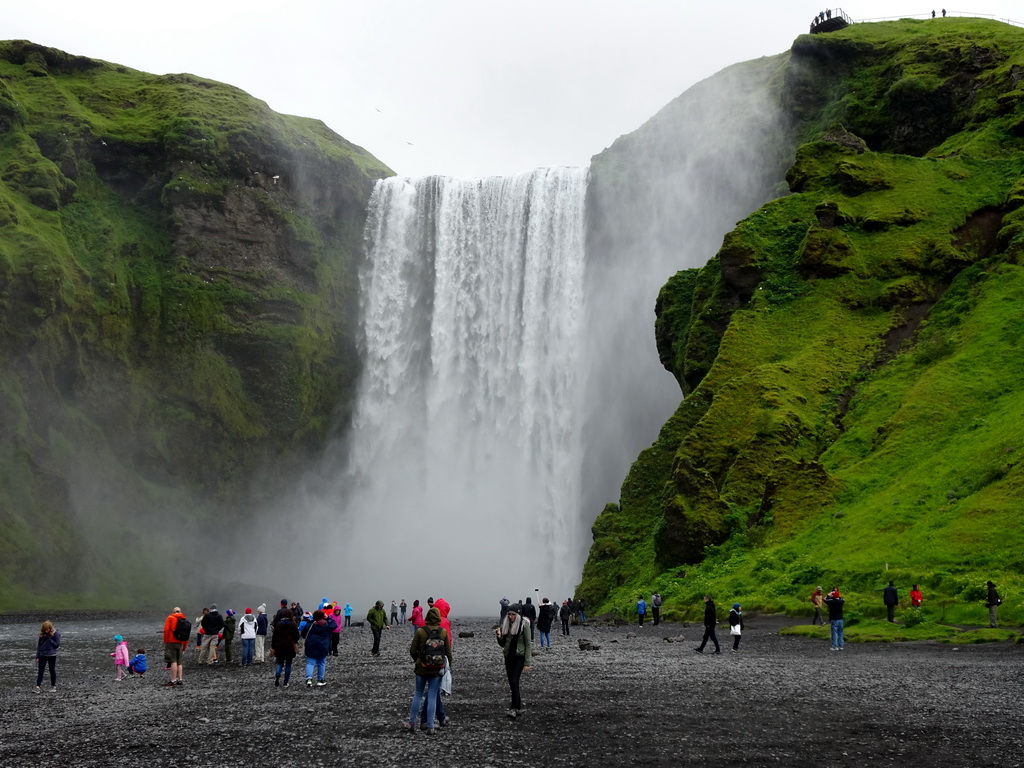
[(850, 354), (177, 308)]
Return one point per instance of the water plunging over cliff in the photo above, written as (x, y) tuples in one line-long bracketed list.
[(466, 436)]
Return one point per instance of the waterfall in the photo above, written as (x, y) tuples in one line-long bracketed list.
[(465, 448)]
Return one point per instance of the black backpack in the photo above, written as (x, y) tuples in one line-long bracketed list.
[(182, 629), (433, 654)]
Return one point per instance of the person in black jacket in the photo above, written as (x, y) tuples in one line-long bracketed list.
[(529, 612), (834, 602), (891, 599), (544, 622), (710, 620), (736, 625), (565, 614), (992, 603), (212, 624)]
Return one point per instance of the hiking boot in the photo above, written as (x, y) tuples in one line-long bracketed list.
[(431, 732), (321, 683), (699, 650), (38, 689), (277, 681), (178, 682), (513, 714), (309, 682), (168, 684)]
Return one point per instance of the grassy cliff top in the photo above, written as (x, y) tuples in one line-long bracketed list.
[(856, 350)]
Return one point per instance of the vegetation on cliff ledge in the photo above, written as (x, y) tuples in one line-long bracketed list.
[(851, 357)]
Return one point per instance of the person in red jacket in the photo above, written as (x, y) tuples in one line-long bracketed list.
[(916, 598), (174, 649)]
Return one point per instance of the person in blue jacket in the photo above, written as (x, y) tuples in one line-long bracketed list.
[(137, 666), (641, 609), (348, 614), (317, 634), (46, 654)]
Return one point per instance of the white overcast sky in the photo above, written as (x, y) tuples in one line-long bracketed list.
[(459, 87)]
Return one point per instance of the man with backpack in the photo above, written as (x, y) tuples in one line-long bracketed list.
[(656, 607), (176, 632), (431, 645)]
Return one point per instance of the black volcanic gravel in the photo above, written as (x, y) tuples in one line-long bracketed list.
[(638, 700)]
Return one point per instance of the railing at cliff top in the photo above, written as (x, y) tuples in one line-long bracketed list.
[(960, 14), (830, 21)]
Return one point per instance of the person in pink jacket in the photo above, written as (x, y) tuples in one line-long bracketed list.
[(121, 658), (417, 616), (336, 633)]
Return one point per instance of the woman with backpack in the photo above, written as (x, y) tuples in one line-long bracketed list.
[(518, 650), (431, 645), (317, 634)]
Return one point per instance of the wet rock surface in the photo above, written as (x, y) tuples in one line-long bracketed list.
[(638, 700)]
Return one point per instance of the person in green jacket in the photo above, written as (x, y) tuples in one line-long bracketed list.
[(518, 651), (378, 621), (430, 662), (229, 635)]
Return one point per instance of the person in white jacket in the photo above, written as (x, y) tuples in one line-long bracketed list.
[(247, 629)]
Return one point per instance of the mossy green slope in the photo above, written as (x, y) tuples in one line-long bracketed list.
[(859, 421), (177, 306)]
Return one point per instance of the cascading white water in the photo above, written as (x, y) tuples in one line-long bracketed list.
[(465, 449)]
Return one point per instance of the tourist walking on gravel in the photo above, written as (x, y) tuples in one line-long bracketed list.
[(818, 601), (834, 603), (284, 646), (394, 613), (431, 645), (403, 606), (564, 615), (710, 620), (518, 652), (891, 598), (641, 609), (581, 613), (122, 658), (378, 621), (212, 624), (656, 608), (46, 654), (348, 614), (336, 633), (417, 616), (529, 614), (176, 633), (736, 626), (992, 603), (443, 609), (259, 650), (544, 622), (247, 631), (228, 635), (317, 634)]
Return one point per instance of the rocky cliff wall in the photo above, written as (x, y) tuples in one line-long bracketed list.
[(177, 311)]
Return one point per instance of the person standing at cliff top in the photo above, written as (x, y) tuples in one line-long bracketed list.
[(641, 609), (835, 602), (46, 654), (710, 620), (891, 598), (992, 603)]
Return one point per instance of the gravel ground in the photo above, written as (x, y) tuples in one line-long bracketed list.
[(639, 699)]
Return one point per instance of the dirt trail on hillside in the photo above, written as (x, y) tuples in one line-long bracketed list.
[(639, 700)]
